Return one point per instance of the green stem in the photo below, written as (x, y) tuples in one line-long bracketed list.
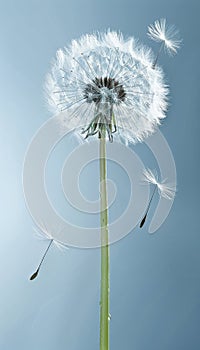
[(104, 301)]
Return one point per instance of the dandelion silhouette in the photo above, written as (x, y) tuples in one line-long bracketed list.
[(164, 190), (111, 85)]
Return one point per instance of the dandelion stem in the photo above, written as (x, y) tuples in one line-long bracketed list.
[(104, 301)]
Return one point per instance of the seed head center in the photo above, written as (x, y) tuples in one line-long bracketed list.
[(104, 90)]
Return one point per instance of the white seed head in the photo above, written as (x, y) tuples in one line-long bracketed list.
[(167, 34), (105, 79), (164, 189)]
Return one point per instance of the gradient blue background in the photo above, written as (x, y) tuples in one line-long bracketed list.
[(155, 280)]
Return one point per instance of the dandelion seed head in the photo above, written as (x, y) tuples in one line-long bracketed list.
[(164, 189), (104, 79), (167, 34)]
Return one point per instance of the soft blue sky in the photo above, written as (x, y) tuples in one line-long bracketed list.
[(155, 281)]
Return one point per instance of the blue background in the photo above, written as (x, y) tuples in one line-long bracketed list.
[(155, 281)]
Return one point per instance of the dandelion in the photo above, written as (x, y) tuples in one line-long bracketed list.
[(109, 85), (164, 189), (47, 236), (104, 80), (167, 35)]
